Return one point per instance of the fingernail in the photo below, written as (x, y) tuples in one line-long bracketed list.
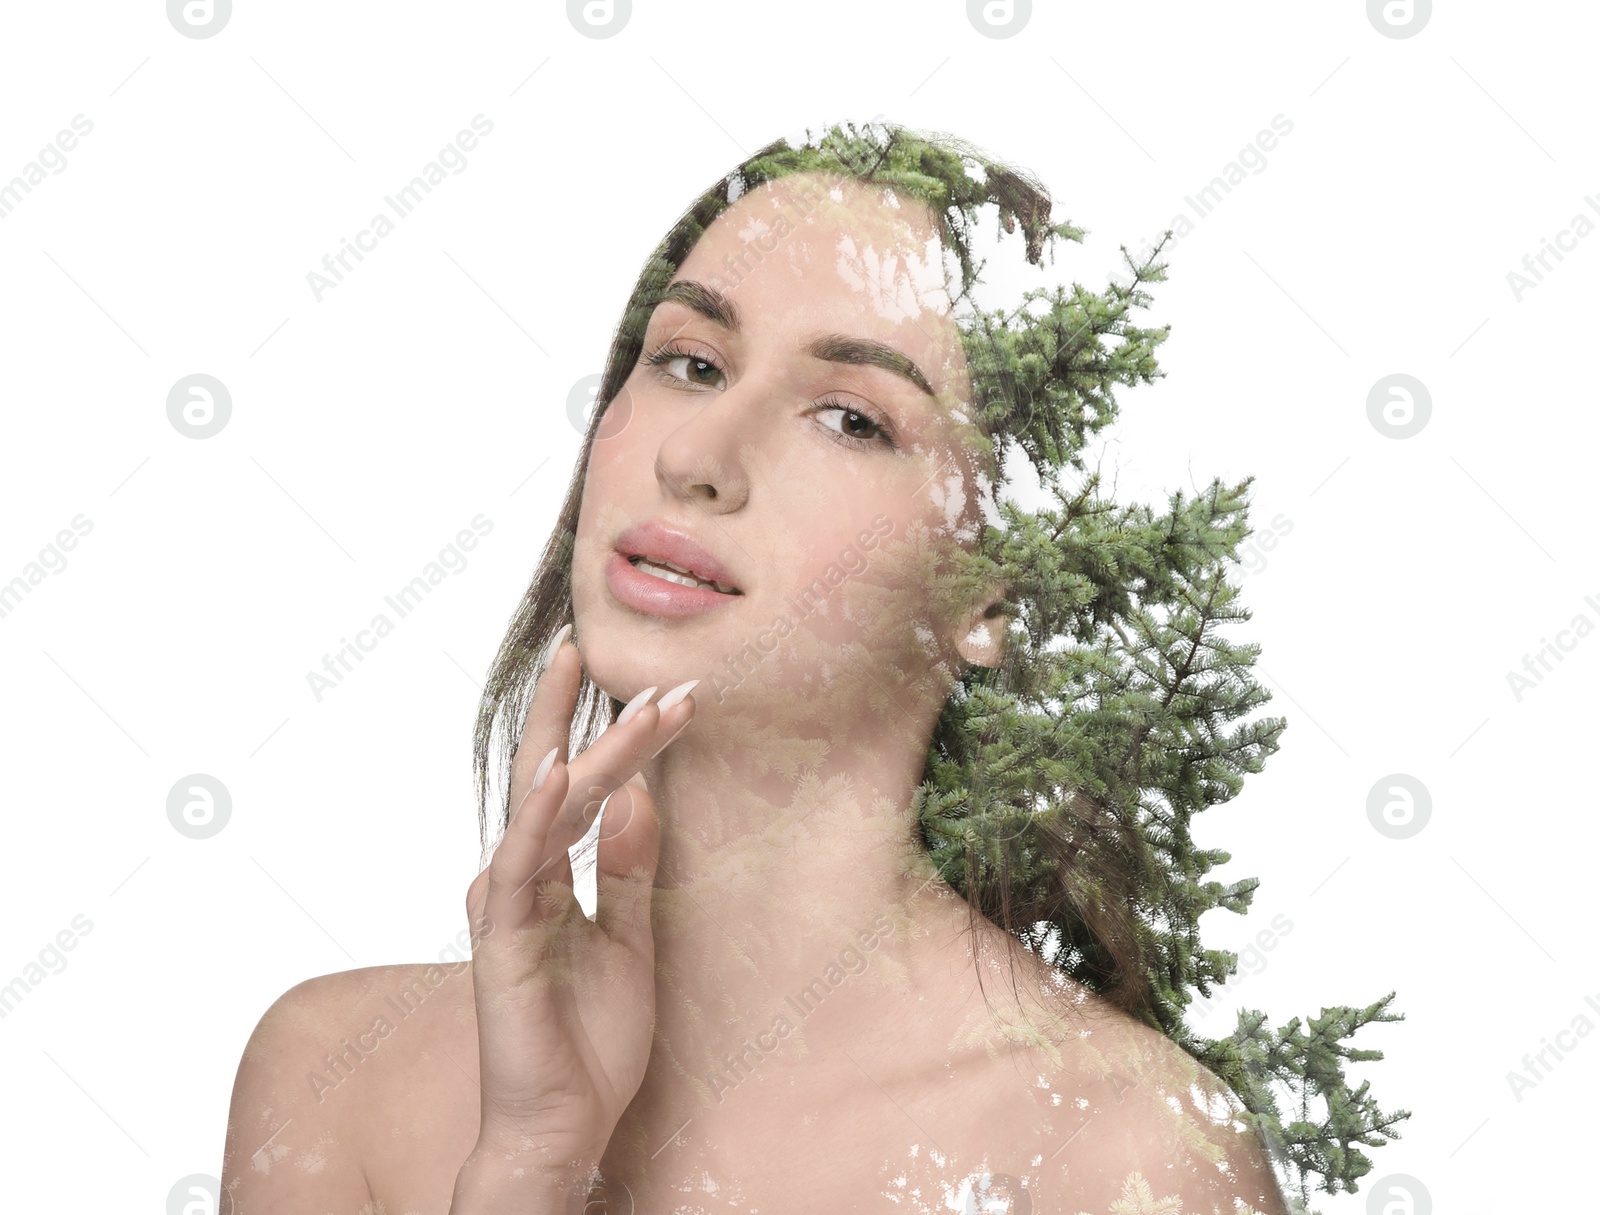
[(543, 770), (634, 705), (555, 644), (677, 694)]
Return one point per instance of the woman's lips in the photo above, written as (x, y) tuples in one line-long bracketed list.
[(646, 593)]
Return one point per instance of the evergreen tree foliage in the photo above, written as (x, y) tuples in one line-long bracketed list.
[(1061, 787)]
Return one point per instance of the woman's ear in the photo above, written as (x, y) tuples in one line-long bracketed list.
[(982, 642)]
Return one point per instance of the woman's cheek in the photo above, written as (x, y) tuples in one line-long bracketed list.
[(856, 589), (617, 419)]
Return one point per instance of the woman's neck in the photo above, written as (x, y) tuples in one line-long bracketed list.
[(776, 860), (801, 933), (773, 859)]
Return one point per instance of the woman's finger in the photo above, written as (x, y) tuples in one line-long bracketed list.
[(625, 868), (617, 755), (549, 719), (477, 898), (524, 860)]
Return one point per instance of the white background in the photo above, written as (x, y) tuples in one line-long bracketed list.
[(430, 386)]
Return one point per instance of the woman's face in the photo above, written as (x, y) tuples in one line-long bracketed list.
[(795, 417)]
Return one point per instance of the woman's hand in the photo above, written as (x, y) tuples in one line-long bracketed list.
[(565, 1005)]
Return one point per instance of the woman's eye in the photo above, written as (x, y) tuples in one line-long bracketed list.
[(686, 368), (696, 371), (855, 427)]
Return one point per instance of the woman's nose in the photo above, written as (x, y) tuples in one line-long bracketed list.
[(706, 456)]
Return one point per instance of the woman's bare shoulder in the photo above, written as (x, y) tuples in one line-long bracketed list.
[(349, 1007), (1173, 1123), (331, 1066), (364, 1030), (1130, 1107)]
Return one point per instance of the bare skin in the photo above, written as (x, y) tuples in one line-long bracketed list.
[(393, 1135), (778, 1006)]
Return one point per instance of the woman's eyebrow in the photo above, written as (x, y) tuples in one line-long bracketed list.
[(831, 347), (707, 301), (837, 348)]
